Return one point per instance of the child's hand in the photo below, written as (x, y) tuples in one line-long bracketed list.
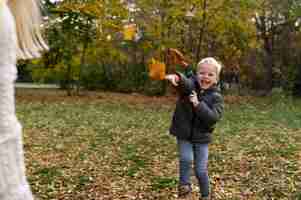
[(173, 78), (193, 98)]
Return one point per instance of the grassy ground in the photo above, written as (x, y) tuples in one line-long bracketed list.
[(109, 146)]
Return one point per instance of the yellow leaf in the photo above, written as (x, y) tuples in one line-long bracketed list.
[(156, 70), (129, 31)]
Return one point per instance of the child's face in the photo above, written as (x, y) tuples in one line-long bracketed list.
[(207, 75)]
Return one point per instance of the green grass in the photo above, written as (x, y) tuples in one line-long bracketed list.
[(117, 150)]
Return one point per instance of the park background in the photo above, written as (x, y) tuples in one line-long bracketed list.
[(102, 131)]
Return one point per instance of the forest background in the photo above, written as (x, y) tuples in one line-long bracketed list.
[(258, 42)]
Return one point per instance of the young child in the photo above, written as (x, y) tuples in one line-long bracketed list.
[(198, 108)]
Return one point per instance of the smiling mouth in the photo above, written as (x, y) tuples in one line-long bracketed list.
[(205, 82)]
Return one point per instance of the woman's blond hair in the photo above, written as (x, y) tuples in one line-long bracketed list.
[(28, 20)]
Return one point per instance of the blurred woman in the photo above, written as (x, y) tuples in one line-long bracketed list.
[(20, 37)]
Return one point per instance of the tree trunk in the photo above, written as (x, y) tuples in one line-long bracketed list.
[(202, 31), (269, 64), (68, 81), (82, 63)]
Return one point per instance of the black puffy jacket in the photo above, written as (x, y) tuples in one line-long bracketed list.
[(196, 124)]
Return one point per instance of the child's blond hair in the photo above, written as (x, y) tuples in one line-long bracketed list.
[(28, 21), (212, 61)]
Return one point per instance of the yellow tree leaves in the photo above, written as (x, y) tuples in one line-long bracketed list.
[(92, 8), (129, 31)]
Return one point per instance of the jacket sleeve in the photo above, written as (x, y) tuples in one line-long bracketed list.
[(210, 113), (186, 85)]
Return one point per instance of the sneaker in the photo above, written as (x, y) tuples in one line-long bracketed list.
[(184, 190)]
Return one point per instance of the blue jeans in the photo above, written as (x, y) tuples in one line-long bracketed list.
[(198, 154)]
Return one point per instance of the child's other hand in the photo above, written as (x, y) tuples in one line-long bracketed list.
[(193, 98), (173, 78)]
